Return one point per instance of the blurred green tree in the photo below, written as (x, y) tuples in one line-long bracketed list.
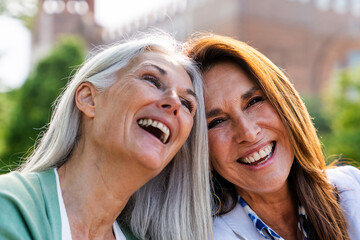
[(315, 106), (343, 111), (31, 104), (7, 102)]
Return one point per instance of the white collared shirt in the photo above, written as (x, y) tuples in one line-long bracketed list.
[(237, 225)]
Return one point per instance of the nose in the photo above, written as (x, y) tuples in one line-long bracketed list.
[(246, 130), (170, 102)]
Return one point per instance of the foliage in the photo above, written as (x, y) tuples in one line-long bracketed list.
[(343, 111), (32, 102), (315, 107), (6, 105), (24, 10)]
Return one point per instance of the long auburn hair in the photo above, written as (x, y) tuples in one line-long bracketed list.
[(308, 177)]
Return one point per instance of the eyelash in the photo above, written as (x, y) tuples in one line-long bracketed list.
[(255, 100), (188, 104), (215, 122), (152, 79)]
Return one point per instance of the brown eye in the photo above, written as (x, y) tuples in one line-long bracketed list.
[(215, 122), (255, 100)]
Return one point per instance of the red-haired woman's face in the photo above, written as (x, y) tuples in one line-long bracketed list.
[(248, 142)]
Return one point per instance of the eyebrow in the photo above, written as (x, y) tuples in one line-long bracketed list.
[(249, 93), (245, 96), (213, 113), (192, 93), (161, 70)]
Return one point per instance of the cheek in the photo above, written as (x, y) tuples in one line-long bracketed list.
[(185, 129), (220, 137), (219, 164), (278, 126), (216, 146), (269, 113), (189, 123)]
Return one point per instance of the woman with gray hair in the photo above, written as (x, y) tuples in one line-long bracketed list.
[(126, 149)]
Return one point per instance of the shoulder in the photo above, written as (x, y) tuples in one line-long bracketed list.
[(347, 177), (24, 205), (235, 225), (17, 182), (19, 187), (347, 181)]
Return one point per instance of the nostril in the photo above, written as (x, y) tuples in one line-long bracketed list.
[(170, 107), (166, 106)]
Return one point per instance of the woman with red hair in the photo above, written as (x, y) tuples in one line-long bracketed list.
[(269, 173)]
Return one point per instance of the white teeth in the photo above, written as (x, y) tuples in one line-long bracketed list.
[(166, 136), (166, 131), (149, 122), (258, 155), (262, 153)]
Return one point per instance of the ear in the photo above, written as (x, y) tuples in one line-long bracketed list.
[(85, 99)]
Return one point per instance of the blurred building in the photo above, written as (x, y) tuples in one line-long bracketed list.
[(306, 38), (58, 17)]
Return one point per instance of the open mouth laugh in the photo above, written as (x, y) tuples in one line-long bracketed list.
[(259, 157), (156, 128)]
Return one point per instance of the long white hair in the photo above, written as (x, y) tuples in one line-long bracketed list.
[(176, 203)]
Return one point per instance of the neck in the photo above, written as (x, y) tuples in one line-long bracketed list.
[(279, 210), (95, 190)]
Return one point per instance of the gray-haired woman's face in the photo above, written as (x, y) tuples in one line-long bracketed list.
[(147, 115), (248, 142)]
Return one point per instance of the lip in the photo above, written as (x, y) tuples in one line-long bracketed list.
[(264, 164), (163, 121)]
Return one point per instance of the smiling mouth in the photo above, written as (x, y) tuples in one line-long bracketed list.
[(156, 128), (259, 157)]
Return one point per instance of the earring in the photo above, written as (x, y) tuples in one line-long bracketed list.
[(217, 197)]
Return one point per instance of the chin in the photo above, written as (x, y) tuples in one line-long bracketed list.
[(152, 164), (275, 186)]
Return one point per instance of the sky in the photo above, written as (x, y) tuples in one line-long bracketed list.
[(15, 49), (15, 45), (110, 13)]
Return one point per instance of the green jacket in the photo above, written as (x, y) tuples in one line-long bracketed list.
[(29, 207)]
